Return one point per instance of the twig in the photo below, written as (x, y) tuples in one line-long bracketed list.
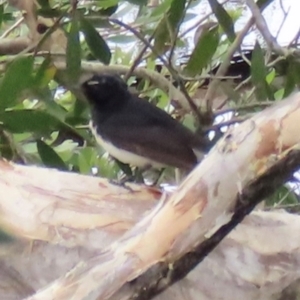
[(143, 39), (166, 64), (283, 20), (263, 28), (202, 77), (94, 67), (225, 64), (222, 103), (191, 102), (293, 208), (139, 57), (12, 28), (156, 78), (295, 39), (199, 22), (282, 7), (244, 107), (244, 82), (217, 127), (174, 36)]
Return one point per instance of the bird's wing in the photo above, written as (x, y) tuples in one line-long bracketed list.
[(158, 143), (144, 111)]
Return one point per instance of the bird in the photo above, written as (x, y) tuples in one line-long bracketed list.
[(136, 132)]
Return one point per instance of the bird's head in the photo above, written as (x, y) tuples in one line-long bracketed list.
[(104, 89)]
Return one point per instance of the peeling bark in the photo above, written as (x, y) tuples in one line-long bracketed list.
[(203, 203), (44, 204)]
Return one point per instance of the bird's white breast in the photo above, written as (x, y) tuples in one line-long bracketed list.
[(123, 155)]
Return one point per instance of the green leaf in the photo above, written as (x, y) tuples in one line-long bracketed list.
[(49, 12), (49, 157), (279, 95), (107, 3), (52, 107), (259, 74), (137, 2), (18, 77), (285, 195), (262, 4), (45, 73), (37, 121), (107, 168), (168, 26), (107, 12), (258, 69), (86, 159), (1, 13), (74, 50), (292, 76), (271, 76), (162, 8), (108, 7), (224, 19), (79, 108), (44, 3), (124, 167), (29, 120), (96, 43), (203, 52)]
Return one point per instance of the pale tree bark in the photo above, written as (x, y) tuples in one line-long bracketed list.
[(34, 205), (203, 203), (121, 244), (258, 260), (43, 204)]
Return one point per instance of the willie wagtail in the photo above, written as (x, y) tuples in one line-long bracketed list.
[(136, 132)]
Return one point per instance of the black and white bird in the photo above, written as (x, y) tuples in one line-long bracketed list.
[(136, 132)]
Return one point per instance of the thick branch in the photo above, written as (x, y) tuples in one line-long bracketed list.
[(13, 46), (200, 206), (39, 204), (161, 276)]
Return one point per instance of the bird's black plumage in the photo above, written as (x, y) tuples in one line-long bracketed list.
[(147, 135)]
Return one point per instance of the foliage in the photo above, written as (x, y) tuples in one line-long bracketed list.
[(43, 123)]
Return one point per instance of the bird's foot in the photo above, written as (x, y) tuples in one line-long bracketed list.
[(122, 182)]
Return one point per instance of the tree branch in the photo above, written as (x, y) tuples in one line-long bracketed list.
[(14, 46), (198, 208), (225, 64), (161, 276), (263, 28)]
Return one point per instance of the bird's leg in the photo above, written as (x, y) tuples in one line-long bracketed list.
[(121, 183), (138, 175), (177, 176), (125, 168), (129, 176)]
